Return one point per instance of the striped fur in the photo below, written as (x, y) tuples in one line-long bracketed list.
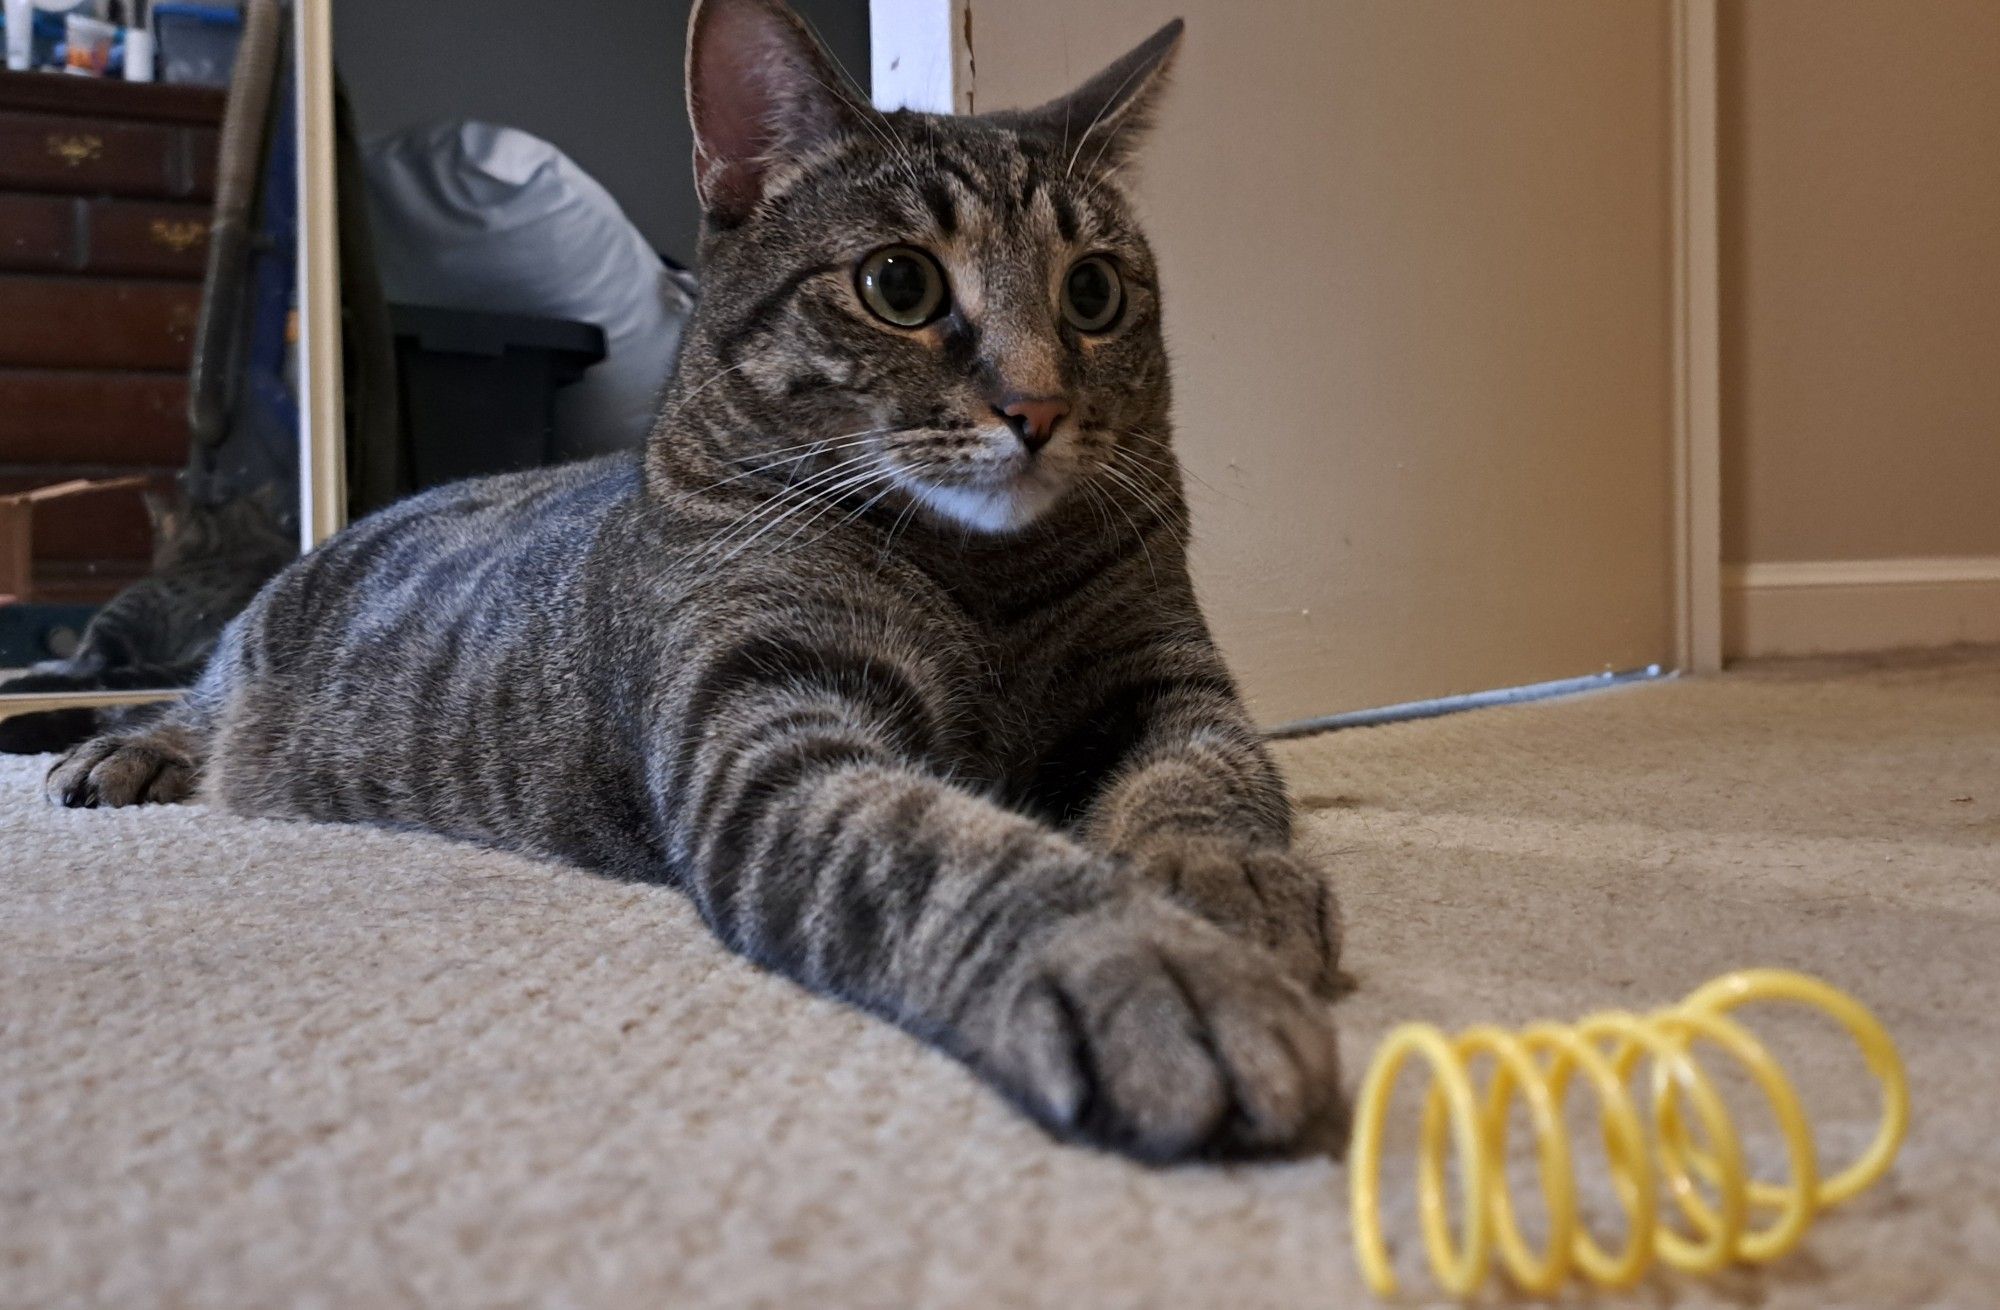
[(994, 785)]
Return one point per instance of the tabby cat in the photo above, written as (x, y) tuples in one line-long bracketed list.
[(885, 651), (208, 562)]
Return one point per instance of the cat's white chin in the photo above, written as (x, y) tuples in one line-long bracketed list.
[(1000, 508)]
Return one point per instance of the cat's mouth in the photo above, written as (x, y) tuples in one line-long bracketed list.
[(1000, 499)]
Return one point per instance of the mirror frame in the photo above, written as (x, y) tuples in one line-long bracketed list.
[(322, 451)]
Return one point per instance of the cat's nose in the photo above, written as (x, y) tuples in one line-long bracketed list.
[(1033, 418)]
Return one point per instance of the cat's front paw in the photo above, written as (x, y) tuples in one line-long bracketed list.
[(116, 770), (1266, 894), (1150, 1031)]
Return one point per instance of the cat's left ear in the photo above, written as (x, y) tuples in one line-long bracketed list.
[(1112, 111), (761, 91)]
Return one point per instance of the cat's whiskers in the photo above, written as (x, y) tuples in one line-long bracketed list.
[(808, 449), (825, 488), (1098, 158), (820, 443), (788, 498), (1165, 461), (870, 503), (1099, 180), (1095, 497), (1148, 497), (883, 475), (877, 125), (804, 489), (1144, 465), (895, 529), (1138, 534), (765, 468), (1065, 136), (825, 497), (708, 382)]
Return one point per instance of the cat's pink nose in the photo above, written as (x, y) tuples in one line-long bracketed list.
[(1033, 418)]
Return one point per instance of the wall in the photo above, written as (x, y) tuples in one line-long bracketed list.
[(1860, 238), (1418, 285), (605, 85)]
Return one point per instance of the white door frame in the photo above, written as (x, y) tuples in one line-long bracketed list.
[(1697, 337), (920, 55)]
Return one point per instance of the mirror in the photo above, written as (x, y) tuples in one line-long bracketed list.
[(526, 226), (149, 345), (246, 302)]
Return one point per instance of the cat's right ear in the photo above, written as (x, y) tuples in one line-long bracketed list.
[(761, 91), (1110, 113), (163, 512)]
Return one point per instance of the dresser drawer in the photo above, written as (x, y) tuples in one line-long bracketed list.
[(133, 238), (85, 416), (102, 97), (99, 156), (76, 322)]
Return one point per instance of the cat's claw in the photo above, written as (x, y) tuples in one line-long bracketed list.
[(1155, 1033), (1275, 897), (110, 772)]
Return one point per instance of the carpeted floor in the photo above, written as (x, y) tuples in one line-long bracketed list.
[(253, 1064)]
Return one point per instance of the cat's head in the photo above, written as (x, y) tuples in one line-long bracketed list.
[(256, 525), (954, 313)]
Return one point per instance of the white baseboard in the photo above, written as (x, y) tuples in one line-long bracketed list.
[(1842, 606)]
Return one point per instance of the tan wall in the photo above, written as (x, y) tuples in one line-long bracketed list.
[(1860, 172), (1418, 281)]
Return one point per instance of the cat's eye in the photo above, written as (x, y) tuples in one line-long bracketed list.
[(902, 285), (1093, 294)]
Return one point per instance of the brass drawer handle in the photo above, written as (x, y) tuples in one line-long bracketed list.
[(178, 235), (76, 150)]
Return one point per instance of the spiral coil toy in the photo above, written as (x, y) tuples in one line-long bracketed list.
[(1537, 1066)]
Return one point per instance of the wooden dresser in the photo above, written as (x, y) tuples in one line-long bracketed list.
[(105, 190)]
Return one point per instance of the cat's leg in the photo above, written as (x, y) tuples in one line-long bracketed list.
[(1182, 789), (816, 841), (148, 754), (151, 758)]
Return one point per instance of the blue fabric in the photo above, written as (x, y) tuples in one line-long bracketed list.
[(261, 445)]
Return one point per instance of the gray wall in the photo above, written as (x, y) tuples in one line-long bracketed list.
[(604, 84)]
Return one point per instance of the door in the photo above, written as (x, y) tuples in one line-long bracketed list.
[(1419, 282)]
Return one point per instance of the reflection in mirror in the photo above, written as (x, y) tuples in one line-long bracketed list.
[(148, 413)]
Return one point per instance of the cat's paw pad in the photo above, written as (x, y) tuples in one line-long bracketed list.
[(111, 771), (1269, 895), (1155, 1033)]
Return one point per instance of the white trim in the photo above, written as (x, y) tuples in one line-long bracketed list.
[(1697, 343), (1865, 572), (322, 443), (1818, 607), (920, 55)]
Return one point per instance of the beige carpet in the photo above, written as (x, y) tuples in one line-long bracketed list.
[(253, 1064)]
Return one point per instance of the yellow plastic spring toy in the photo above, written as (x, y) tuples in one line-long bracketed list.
[(1537, 1065)]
